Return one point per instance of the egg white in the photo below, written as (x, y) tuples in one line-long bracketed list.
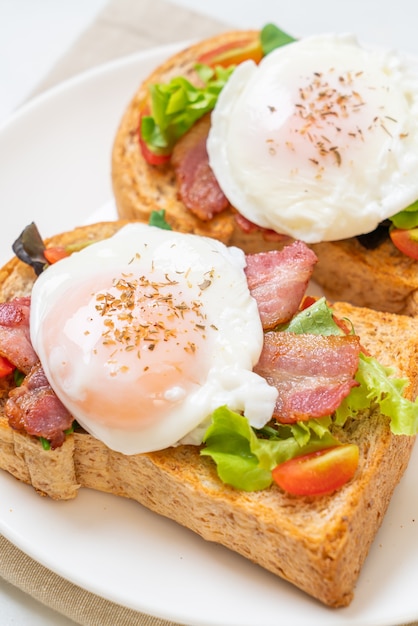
[(144, 334), (320, 140)]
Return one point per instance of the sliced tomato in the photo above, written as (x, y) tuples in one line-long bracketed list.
[(55, 253), (234, 52), (406, 241), (151, 157), (307, 302), (319, 472), (6, 367)]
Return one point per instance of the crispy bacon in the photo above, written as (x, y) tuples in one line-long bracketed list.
[(35, 409), (312, 373), (198, 188), (15, 342), (278, 281)]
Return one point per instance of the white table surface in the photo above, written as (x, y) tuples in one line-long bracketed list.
[(35, 33)]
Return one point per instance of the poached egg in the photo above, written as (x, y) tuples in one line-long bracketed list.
[(320, 140), (143, 335)]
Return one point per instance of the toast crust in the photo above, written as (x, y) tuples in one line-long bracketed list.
[(318, 544), (383, 279)]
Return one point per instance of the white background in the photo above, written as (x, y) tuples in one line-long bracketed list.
[(35, 33)]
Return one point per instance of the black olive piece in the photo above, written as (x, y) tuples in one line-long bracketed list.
[(372, 240), (29, 248)]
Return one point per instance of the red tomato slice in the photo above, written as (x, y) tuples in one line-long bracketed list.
[(5, 367), (234, 52), (319, 472), (307, 302), (153, 158), (55, 253), (406, 241)]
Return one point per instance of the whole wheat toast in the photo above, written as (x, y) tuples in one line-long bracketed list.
[(383, 279), (319, 544)]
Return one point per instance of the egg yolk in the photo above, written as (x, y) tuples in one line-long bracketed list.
[(127, 353)]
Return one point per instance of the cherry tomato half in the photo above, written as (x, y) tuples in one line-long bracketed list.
[(318, 473), (6, 367), (153, 158), (406, 241), (55, 253), (307, 302)]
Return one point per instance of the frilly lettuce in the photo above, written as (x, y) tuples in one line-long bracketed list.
[(377, 385), (245, 458), (177, 105)]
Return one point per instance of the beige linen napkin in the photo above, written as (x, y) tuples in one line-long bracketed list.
[(123, 27), (128, 26), (81, 606)]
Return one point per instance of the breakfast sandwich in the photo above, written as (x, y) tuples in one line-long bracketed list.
[(210, 387)]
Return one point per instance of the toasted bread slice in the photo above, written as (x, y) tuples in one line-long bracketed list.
[(319, 544), (383, 279)]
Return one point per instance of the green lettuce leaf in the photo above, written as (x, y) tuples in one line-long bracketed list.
[(177, 105), (157, 218), (245, 460), (378, 385), (406, 219), (317, 319)]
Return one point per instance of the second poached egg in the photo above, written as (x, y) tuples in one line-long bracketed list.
[(320, 140)]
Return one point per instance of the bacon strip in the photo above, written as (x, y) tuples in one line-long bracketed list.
[(198, 188), (15, 342), (35, 409), (312, 373), (278, 281)]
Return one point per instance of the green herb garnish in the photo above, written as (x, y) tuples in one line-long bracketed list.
[(157, 218), (18, 377), (272, 37)]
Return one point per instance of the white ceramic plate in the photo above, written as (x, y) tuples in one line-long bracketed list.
[(55, 164)]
